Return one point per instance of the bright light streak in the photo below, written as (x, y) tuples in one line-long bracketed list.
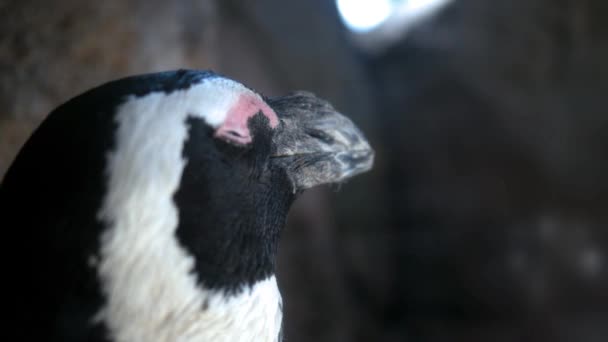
[(364, 15), (421, 8)]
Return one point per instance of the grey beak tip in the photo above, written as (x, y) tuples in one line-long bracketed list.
[(357, 161)]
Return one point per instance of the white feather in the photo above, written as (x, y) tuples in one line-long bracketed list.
[(151, 292)]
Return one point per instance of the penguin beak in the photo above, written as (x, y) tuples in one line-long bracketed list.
[(315, 144)]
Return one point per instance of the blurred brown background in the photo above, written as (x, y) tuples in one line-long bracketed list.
[(486, 216)]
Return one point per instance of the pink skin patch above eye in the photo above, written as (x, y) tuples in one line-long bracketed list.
[(235, 129)]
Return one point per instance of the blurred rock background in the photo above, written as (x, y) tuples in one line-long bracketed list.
[(485, 218)]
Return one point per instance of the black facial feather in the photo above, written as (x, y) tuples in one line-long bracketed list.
[(231, 212)]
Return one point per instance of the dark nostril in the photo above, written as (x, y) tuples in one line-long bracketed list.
[(320, 135)]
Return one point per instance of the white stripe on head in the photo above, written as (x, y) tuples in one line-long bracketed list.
[(147, 278), (215, 96)]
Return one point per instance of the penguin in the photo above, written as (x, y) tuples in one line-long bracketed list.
[(149, 209)]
